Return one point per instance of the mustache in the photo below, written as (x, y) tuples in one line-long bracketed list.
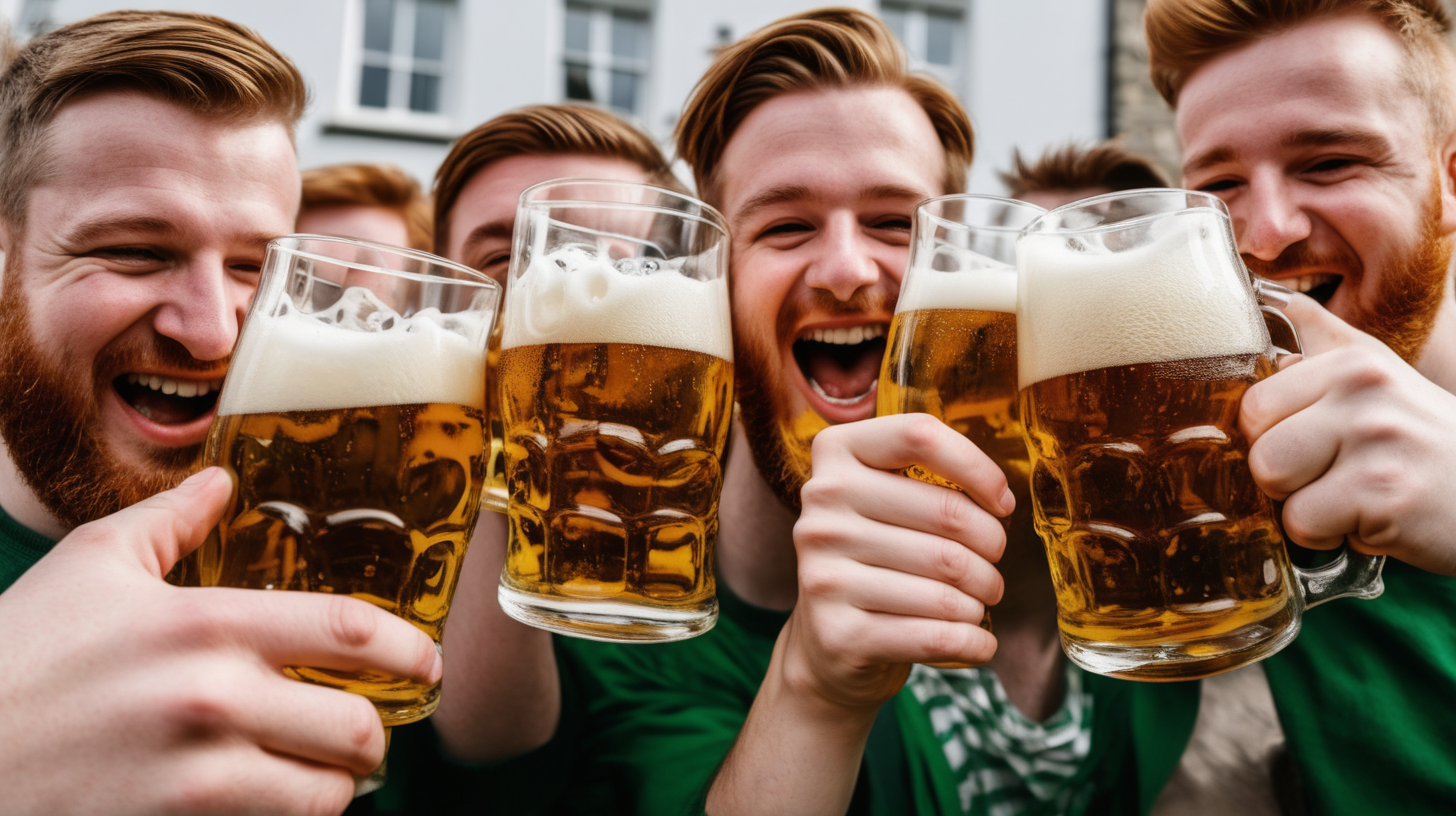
[(153, 351), (817, 301), (1301, 258)]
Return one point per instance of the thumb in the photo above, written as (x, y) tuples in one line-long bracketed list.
[(1319, 329), (165, 527)]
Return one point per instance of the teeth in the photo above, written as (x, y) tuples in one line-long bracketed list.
[(182, 388), (845, 336), (842, 400), (1304, 283)]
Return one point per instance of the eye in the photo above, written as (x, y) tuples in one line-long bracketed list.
[(896, 222), (494, 261), (785, 228), (130, 256), (1218, 186), (1330, 165)]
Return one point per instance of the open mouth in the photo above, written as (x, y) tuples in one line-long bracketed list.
[(1320, 286), (841, 364), (168, 400)]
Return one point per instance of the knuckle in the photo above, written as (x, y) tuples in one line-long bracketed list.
[(823, 491), (954, 513), (352, 623), (331, 796), (819, 582), (951, 603), (361, 731), (952, 561), (922, 434), (196, 620), (202, 708), (1367, 367)]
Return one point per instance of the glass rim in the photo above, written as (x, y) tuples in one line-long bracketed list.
[(474, 277), (707, 213), (1213, 203), (1013, 203)]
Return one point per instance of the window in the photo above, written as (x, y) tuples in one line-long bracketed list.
[(933, 36), (396, 66), (606, 57)]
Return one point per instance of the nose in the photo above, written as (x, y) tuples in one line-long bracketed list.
[(204, 309), (844, 263), (1267, 219)]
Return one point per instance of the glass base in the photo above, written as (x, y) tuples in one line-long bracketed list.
[(607, 620), (1190, 660)]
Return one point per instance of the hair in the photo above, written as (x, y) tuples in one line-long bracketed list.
[(1072, 167), (370, 185), (1184, 35), (205, 64), (543, 130), (827, 48)]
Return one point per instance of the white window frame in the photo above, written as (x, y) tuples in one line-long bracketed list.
[(600, 61), (398, 120), (917, 25)]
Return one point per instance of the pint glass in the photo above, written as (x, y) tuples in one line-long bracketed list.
[(1139, 331), (616, 388), (952, 345), (353, 421)]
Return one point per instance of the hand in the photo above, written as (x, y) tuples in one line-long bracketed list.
[(892, 571), (1358, 444), (124, 695)]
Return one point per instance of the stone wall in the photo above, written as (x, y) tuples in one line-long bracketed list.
[(1138, 114)]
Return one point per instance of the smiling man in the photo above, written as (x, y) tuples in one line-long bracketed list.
[(145, 161), (1341, 180)]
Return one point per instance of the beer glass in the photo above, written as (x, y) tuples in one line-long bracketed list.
[(353, 421), (493, 494), (616, 389), (1139, 330), (952, 344)]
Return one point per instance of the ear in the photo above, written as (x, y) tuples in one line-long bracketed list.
[(1446, 172)]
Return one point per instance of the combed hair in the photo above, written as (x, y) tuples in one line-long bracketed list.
[(1073, 167), (827, 48), (370, 185), (1184, 35), (206, 64), (543, 130)]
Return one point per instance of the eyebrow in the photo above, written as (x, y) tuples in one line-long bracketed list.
[(483, 233), (786, 194), (1313, 137), (93, 231), (880, 192)]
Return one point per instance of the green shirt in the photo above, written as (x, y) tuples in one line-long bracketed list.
[(20, 548), (1366, 696)]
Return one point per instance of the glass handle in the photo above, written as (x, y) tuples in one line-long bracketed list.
[(1351, 574)]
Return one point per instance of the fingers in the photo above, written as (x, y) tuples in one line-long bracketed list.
[(1294, 453), (1295, 388), (1319, 329), (247, 780), (308, 629), (880, 638), (898, 593), (163, 528), (893, 443)]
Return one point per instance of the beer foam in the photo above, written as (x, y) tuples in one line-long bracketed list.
[(357, 353), (1181, 295), (974, 282), (574, 296)]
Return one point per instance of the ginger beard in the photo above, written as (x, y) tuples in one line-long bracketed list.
[(50, 422), (1408, 295), (780, 436)]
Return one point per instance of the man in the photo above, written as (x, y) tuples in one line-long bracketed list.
[(816, 143), (371, 202), (1339, 179), (1072, 173), (145, 160)]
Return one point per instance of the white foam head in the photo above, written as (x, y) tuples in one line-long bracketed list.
[(972, 281), (356, 353), (1180, 295), (573, 296)]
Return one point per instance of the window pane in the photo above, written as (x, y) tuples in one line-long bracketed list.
[(940, 38), (578, 30), (378, 25), (629, 37), (578, 82), (425, 93), (624, 91), (894, 17), (374, 87), (430, 30)]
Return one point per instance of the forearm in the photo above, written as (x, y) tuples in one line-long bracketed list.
[(501, 694), (794, 755)]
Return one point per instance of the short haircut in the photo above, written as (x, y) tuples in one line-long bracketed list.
[(827, 48), (370, 185), (1073, 167), (543, 130), (206, 64), (1184, 35)]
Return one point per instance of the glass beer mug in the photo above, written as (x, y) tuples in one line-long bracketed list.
[(616, 391), (1139, 331)]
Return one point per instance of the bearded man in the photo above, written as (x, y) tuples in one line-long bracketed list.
[(146, 158)]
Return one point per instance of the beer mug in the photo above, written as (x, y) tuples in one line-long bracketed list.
[(353, 421), (952, 344), (1139, 331), (616, 390)]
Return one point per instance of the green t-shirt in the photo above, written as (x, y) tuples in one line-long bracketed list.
[(20, 548), (1366, 696)]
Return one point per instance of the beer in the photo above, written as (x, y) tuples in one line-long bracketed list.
[(359, 458), (493, 495), (1167, 559), (616, 385)]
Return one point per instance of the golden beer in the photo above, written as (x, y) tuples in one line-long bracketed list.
[(614, 471), (494, 495), (377, 503)]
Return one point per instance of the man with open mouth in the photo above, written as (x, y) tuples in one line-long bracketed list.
[(146, 159)]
